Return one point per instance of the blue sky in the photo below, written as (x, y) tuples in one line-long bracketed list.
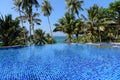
[(59, 10)]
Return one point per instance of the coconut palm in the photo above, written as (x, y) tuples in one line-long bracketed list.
[(50, 40), (78, 28), (35, 19), (47, 9), (116, 7), (74, 6), (27, 6), (17, 8), (23, 35), (92, 18), (66, 25), (40, 37), (10, 31)]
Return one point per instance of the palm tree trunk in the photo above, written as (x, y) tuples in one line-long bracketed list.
[(30, 22), (50, 27), (30, 32), (21, 19), (99, 37), (77, 37), (118, 27), (92, 30)]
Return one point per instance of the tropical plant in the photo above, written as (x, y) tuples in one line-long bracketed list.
[(35, 19), (78, 24), (47, 9), (27, 6), (50, 40), (40, 37), (116, 7), (17, 7), (10, 31), (66, 25), (74, 6)]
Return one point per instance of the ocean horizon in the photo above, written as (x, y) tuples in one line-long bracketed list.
[(60, 39)]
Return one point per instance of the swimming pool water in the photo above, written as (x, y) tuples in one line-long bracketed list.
[(60, 62)]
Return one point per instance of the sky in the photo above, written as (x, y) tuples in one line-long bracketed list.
[(58, 12)]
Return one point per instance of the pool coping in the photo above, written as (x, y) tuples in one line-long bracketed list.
[(13, 47), (21, 46)]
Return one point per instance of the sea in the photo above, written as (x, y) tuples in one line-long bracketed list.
[(60, 39)]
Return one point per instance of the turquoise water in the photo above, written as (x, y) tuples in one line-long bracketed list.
[(60, 62), (60, 39)]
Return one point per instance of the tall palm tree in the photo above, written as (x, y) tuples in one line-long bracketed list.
[(47, 9), (27, 6), (17, 8), (74, 6), (35, 19)]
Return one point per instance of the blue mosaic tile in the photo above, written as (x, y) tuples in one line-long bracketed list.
[(60, 62)]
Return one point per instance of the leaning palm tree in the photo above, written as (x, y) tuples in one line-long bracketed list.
[(74, 6), (27, 6), (47, 9)]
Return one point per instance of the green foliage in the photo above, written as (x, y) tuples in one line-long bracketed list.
[(74, 6), (50, 40), (66, 25), (46, 8), (41, 38), (10, 31)]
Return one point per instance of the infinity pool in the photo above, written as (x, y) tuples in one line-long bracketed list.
[(60, 62)]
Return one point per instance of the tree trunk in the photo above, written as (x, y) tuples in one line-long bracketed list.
[(30, 22), (99, 36), (77, 37), (92, 30), (50, 28), (21, 19)]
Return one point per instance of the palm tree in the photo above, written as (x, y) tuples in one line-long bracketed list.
[(74, 6), (50, 40), (23, 35), (27, 6), (40, 37), (10, 31), (17, 8), (78, 28), (66, 25), (92, 18), (47, 9), (116, 7), (35, 19)]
